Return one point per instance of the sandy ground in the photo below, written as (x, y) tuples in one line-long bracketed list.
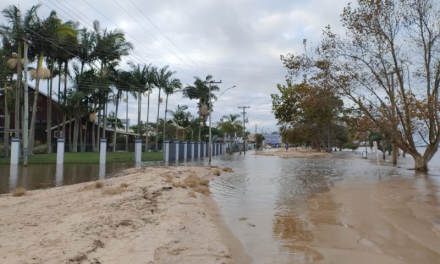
[(292, 153), (136, 218)]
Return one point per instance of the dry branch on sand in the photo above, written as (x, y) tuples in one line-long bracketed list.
[(115, 190), (19, 192), (192, 180), (227, 169), (216, 172), (95, 185)]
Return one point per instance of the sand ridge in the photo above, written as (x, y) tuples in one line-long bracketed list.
[(136, 218)]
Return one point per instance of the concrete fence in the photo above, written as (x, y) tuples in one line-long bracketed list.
[(175, 150)]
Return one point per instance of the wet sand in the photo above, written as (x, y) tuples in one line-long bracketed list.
[(136, 218)]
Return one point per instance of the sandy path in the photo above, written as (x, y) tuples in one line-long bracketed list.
[(291, 153), (135, 218)]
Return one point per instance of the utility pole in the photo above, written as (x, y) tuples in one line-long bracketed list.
[(210, 107), (244, 126), (26, 106)]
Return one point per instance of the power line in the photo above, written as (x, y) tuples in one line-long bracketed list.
[(129, 34), (163, 33), (149, 32)]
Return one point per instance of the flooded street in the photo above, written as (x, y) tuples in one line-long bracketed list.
[(330, 210)]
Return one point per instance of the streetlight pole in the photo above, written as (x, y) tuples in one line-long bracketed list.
[(244, 126), (26, 106), (210, 107)]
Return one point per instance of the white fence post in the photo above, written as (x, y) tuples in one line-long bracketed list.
[(166, 150), (15, 150), (137, 150), (185, 149), (103, 150), (60, 150)]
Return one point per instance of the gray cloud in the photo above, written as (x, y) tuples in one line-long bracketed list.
[(238, 42)]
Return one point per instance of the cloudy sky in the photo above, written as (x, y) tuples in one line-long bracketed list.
[(238, 42)]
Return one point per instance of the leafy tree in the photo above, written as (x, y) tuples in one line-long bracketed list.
[(387, 63)]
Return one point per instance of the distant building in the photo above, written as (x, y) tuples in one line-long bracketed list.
[(271, 139)]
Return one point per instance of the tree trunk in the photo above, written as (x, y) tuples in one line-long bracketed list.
[(84, 142), (420, 163), (116, 121), (49, 112), (329, 145), (104, 120), (157, 121), (200, 116), (165, 120), (81, 137), (59, 97), (384, 150), (98, 128), (6, 137), (18, 93), (75, 133), (148, 125), (34, 108), (93, 137), (70, 134), (64, 128), (395, 151)]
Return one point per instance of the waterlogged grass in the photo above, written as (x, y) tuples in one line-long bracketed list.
[(88, 158)]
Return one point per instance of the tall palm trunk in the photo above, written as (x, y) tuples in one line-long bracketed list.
[(104, 117), (80, 136), (49, 112), (200, 116), (116, 120), (59, 101), (6, 137), (34, 106), (139, 113), (64, 126), (93, 137), (126, 126), (157, 121), (17, 94), (75, 131), (165, 123), (148, 114), (84, 140), (98, 128), (70, 133)]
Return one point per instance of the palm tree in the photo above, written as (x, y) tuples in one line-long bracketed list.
[(110, 46), (200, 91), (171, 86), (119, 79), (232, 118), (15, 31), (6, 73), (42, 34), (180, 117), (161, 79), (139, 79)]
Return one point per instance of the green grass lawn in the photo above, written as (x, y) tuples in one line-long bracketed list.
[(88, 158)]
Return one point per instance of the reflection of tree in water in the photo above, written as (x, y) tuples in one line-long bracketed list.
[(303, 202)]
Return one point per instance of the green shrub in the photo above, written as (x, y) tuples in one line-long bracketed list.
[(37, 143), (41, 149), (350, 145), (2, 150)]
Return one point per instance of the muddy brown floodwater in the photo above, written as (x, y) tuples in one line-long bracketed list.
[(330, 209)]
